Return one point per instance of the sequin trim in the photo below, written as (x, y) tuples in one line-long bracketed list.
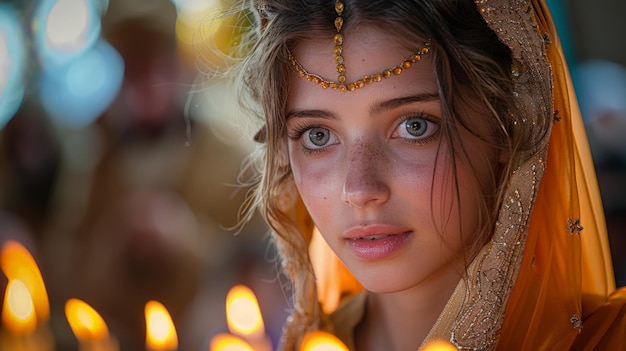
[(496, 268)]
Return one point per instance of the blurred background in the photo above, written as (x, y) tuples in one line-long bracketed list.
[(120, 176), (121, 183)]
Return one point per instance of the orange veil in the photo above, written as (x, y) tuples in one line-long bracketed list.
[(564, 296), (549, 261)]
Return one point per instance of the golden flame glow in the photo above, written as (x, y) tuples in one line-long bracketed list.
[(18, 311), (191, 14), (243, 313), (67, 25), (17, 263), (85, 322), (322, 341), (439, 345), (229, 342), (333, 278), (218, 39), (160, 331)]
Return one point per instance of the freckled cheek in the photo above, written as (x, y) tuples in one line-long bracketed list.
[(456, 201), (316, 180), (438, 188), (320, 193), (414, 166)]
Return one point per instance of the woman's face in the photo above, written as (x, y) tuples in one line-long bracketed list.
[(368, 168)]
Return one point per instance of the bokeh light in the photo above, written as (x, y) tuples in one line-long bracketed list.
[(77, 93), (12, 63), (81, 73), (63, 29), (190, 15)]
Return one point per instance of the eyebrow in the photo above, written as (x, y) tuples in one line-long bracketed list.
[(376, 108), (399, 102), (310, 113)]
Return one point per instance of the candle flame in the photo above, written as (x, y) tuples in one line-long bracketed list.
[(322, 341), (243, 314), (85, 322), (67, 24), (18, 311), (229, 342), (439, 345), (17, 263), (160, 331)]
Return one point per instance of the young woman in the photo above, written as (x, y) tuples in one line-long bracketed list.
[(437, 148)]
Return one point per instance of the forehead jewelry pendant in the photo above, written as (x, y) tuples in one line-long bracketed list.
[(341, 84)]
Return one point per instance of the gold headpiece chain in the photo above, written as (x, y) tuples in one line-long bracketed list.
[(341, 84)]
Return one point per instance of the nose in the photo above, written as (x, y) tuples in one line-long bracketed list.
[(366, 183)]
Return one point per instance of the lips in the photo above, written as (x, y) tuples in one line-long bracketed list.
[(376, 242), (375, 237)]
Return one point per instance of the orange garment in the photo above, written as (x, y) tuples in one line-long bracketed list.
[(565, 276)]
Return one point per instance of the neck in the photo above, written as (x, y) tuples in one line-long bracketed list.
[(402, 320)]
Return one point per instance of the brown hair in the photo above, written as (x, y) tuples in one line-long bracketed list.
[(473, 71)]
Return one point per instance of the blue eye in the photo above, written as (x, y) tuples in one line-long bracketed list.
[(416, 126), (416, 129), (315, 138), (318, 136)]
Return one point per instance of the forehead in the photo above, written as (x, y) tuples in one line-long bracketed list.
[(366, 51)]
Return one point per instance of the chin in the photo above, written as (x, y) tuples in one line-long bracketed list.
[(385, 285)]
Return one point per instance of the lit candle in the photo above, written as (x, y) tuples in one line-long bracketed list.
[(229, 342), (26, 308), (160, 331), (18, 310), (17, 263), (439, 345), (20, 330), (89, 327), (244, 318), (322, 341)]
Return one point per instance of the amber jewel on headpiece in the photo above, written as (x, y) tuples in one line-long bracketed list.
[(341, 84)]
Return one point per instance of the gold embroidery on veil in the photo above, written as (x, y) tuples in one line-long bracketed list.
[(481, 299)]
